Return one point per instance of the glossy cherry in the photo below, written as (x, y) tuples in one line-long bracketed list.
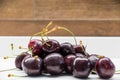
[(36, 46), (81, 67), (79, 55), (66, 49), (93, 59), (105, 68), (32, 43), (54, 63), (79, 49), (19, 59), (50, 46), (32, 66), (69, 59)]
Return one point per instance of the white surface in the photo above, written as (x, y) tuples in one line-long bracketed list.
[(108, 46)]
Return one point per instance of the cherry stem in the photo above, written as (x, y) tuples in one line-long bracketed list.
[(100, 56), (46, 32), (69, 32), (13, 75), (63, 28), (20, 47), (117, 72), (93, 71), (12, 46), (81, 44), (36, 57), (35, 35), (49, 24), (42, 32), (6, 57), (46, 28), (7, 70)]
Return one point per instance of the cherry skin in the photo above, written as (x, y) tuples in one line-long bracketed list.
[(36, 46), (50, 46), (93, 59), (32, 66), (33, 42), (69, 63), (79, 49), (19, 59), (105, 68), (81, 67), (54, 63), (66, 49), (79, 55)]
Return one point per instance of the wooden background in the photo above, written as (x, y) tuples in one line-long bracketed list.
[(83, 17)]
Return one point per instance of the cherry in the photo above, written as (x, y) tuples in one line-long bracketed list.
[(93, 59), (69, 63), (36, 46), (32, 43), (105, 68), (32, 66), (75, 60), (19, 59), (81, 67), (66, 49), (79, 55), (79, 49), (54, 63), (50, 46)]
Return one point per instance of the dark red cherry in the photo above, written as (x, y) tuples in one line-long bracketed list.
[(66, 49), (105, 68), (81, 67), (32, 43), (19, 59), (50, 46), (79, 55), (69, 63), (36, 46), (32, 66), (79, 49), (54, 63), (93, 59)]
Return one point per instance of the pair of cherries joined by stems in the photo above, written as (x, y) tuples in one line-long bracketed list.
[(51, 57)]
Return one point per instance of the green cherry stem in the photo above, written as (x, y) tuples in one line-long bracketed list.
[(81, 44), (13, 75), (117, 72), (62, 28), (12, 46), (44, 30), (35, 35), (7, 70), (6, 57)]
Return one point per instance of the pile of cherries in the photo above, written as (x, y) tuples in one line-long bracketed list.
[(54, 58), (51, 57)]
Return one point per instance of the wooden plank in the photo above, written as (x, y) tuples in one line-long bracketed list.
[(77, 9), (80, 28), (16, 9)]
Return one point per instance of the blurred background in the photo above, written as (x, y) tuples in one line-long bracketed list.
[(83, 17)]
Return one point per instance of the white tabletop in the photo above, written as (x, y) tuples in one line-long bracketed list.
[(108, 46)]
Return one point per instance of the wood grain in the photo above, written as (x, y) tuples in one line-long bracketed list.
[(83, 17), (77, 9), (16, 9), (80, 28)]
